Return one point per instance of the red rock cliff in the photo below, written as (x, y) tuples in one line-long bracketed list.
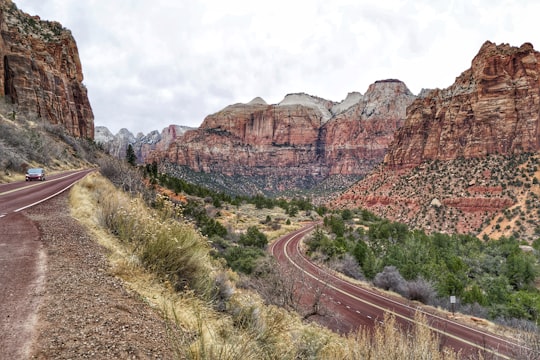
[(302, 136), (463, 156), (358, 138), (41, 71), (492, 108)]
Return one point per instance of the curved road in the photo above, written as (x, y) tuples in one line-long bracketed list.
[(355, 306), (22, 259)]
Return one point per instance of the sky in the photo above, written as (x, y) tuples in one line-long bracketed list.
[(149, 64)]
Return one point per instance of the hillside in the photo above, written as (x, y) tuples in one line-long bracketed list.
[(463, 196), (466, 157)]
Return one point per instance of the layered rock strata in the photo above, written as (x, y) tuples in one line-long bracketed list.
[(492, 108), (41, 71), (301, 138), (455, 163)]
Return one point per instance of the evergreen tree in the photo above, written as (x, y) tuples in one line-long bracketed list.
[(131, 158)]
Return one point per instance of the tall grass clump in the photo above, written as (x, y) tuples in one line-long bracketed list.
[(163, 245), (388, 340)]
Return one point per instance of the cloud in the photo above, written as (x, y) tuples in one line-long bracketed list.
[(151, 64)]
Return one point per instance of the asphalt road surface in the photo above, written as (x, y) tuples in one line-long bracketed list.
[(23, 260), (353, 306)]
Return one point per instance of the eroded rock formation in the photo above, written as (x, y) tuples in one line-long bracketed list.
[(41, 71), (458, 162), (492, 108), (143, 145), (303, 138)]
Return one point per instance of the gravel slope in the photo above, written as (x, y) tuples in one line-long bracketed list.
[(85, 312)]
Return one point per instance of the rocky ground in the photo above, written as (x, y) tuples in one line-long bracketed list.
[(84, 311)]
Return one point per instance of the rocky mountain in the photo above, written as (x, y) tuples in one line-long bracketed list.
[(296, 143), (492, 108), (142, 144), (41, 71), (466, 158)]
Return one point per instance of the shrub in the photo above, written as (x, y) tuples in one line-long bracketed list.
[(242, 259), (421, 290), (123, 175), (391, 279), (254, 238), (347, 265)]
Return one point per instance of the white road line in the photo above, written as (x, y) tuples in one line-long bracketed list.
[(440, 331), (45, 199)]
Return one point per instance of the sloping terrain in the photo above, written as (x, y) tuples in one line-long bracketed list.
[(466, 156), (463, 196)]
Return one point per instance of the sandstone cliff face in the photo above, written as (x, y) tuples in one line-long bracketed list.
[(302, 137), (458, 162), (41, 71), (492, 108), (357, 139)]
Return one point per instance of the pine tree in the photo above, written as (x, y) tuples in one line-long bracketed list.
[(131, 158)]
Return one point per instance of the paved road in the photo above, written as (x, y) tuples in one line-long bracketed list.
[(23, 260), (356, 306), (17, 196)]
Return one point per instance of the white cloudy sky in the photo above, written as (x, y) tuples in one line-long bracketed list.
[(148, 64)]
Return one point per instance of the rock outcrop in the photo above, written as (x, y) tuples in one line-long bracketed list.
[(41, 71), (492, 108), (459, 159), (357, 138), (301, 140)]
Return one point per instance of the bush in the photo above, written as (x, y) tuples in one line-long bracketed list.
[(348, 266), (421, 290), (391, 279), (123, 175), (253, 238), (242, 259)]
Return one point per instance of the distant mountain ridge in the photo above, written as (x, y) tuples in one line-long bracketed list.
[(296, 143), (143, 145)]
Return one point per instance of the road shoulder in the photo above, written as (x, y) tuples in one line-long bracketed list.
[(85, 311)]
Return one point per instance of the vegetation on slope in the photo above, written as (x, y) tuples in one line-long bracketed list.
[(212, 318), (26, 143), (492, 278), (494, 196)]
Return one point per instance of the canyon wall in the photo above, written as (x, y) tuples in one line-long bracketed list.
[(492, 108), (302, 137), (466, 158), (41, 71)]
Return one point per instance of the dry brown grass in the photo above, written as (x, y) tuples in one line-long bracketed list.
[(246, 215), (247, 329)]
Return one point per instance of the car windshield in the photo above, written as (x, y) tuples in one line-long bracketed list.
[(34, 171)]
